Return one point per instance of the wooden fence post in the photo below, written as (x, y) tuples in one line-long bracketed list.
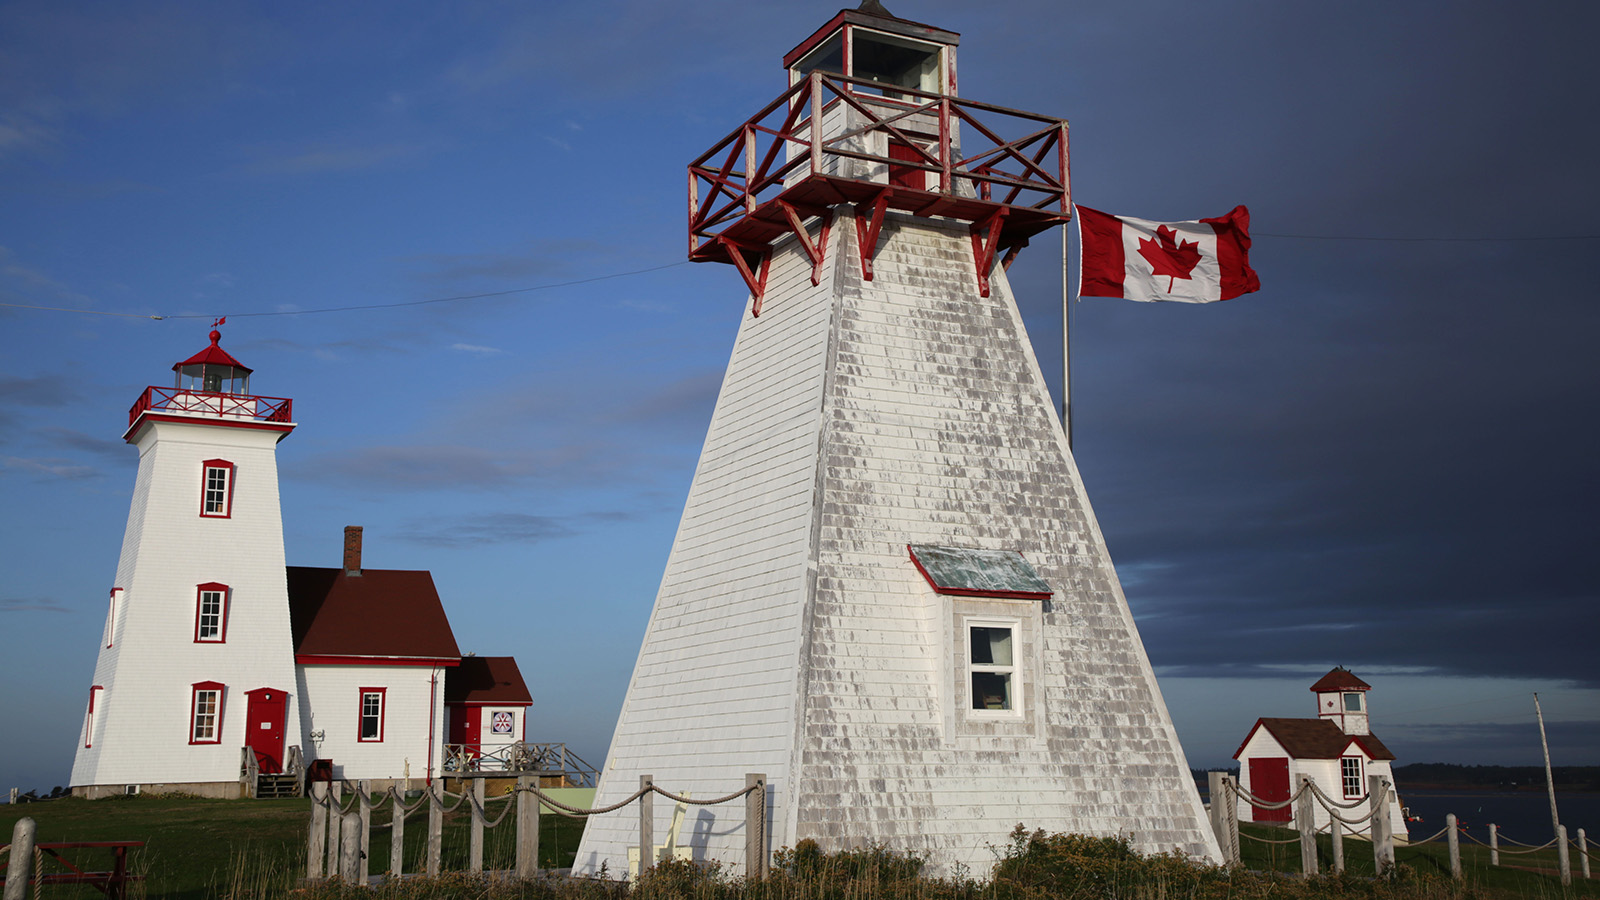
[(1305, 812), (647, 822), (1336, 830), (475, 849), (1453, 839), (435, 826), (1382, 837), (350, 848), (21, 867), (1215, 786), (527, 828), (1561, 854), (1583, 852), (1494, 844), (397, 832), (364, 795), (316, 847), (335, 821), (755, 826)]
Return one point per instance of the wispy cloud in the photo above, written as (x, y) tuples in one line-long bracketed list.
[(71, 439), (468, 467), (32, 604), (41, 391), (501, 528), (49, 467), (477, 350)]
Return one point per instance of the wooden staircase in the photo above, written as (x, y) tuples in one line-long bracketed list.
[(275, 787)]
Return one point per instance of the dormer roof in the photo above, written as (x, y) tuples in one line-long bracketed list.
[(1340, 679)]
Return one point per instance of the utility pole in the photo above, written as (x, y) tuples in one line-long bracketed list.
[(1549, 781)]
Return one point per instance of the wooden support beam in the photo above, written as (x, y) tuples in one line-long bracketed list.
[(1305, 818), (335, 820), (647, 824), (316, 841), (985, 241), (868, 227), (350, 849), (397, 833), (435, 826), (757, 282), (22, 835), (1011, 254), (755, 826), (475, 849), (815, 250), (364, 798)]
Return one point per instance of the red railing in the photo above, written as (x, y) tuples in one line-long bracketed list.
[(230, 406), (1003, 158)]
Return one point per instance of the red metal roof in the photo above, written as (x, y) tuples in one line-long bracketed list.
[(1340, 679), (380, 614), (487, 680), (1315, 739), (213, 355)]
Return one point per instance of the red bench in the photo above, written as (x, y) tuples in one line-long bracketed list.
[(113, 884)]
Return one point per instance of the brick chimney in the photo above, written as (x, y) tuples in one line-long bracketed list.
[(352, 550)]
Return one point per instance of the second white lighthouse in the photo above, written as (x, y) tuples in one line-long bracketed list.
[(197, 657)]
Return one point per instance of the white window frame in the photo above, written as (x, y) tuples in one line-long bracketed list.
[(382, 701), (1014, 671), (205, 713), (1345, 777)]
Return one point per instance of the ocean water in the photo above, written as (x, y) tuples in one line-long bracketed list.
[(1521, 815)]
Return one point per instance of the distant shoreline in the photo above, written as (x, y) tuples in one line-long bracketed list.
[(1482, 779)]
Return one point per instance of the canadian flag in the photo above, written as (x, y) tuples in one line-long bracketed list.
[(1184, 262)]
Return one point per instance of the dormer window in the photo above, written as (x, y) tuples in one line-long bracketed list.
[(897, 61), (1352, 701)]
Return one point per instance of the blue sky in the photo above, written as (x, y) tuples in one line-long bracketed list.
[(1381, 460)]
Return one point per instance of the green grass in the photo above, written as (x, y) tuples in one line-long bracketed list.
[(198, 849), (1531, 875), (254, 850)]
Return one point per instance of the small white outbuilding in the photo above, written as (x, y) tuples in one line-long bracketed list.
[(1337, 750)]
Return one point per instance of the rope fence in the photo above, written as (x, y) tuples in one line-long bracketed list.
[(1316, 813), (339, 838)]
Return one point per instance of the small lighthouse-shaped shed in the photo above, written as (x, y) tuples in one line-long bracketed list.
[(888, 592), (196, 660)]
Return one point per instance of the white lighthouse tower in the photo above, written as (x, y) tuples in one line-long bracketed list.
[(888, 592), (197, 659)]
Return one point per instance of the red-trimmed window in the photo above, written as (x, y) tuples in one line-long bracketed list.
[(216, 489), (211, 613), (205, 713), (369, 728), (88, 719), (1350, 776), (111, 617)]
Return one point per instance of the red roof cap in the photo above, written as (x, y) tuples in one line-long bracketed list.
[(213, 355), (1340, 679)]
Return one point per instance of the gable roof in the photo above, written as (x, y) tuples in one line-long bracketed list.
[(1315, 739), (385, 615), (1340, 679), (487, 680)]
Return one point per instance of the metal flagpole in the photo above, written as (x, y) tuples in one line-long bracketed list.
[(1549, 782), (1066, 342)]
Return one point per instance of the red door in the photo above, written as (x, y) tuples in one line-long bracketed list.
[(906, 176), (466, 728), (264, 724), (1269, 781)]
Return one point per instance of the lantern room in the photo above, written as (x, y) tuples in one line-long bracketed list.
[(212, 371), (883, 51)]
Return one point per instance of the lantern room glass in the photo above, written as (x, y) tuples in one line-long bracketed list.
[(212, 379)]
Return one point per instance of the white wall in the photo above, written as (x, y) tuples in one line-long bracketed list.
[(1328, 776), (332, 703), (142, 718)]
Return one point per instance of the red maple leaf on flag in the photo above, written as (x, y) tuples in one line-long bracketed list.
[(1168, 257)]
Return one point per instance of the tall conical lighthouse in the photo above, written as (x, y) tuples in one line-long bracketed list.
[(197, 658), (888, 592)]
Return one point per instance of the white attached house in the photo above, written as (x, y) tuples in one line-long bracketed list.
[(1337, 750), (216, 658)]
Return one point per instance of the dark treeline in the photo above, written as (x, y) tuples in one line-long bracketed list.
[(1567, 778)]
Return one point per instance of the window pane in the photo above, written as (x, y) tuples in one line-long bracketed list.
[(991, 646), (1352, 702), (829, 57), (895, 61), (371, 715), (991, 690)]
